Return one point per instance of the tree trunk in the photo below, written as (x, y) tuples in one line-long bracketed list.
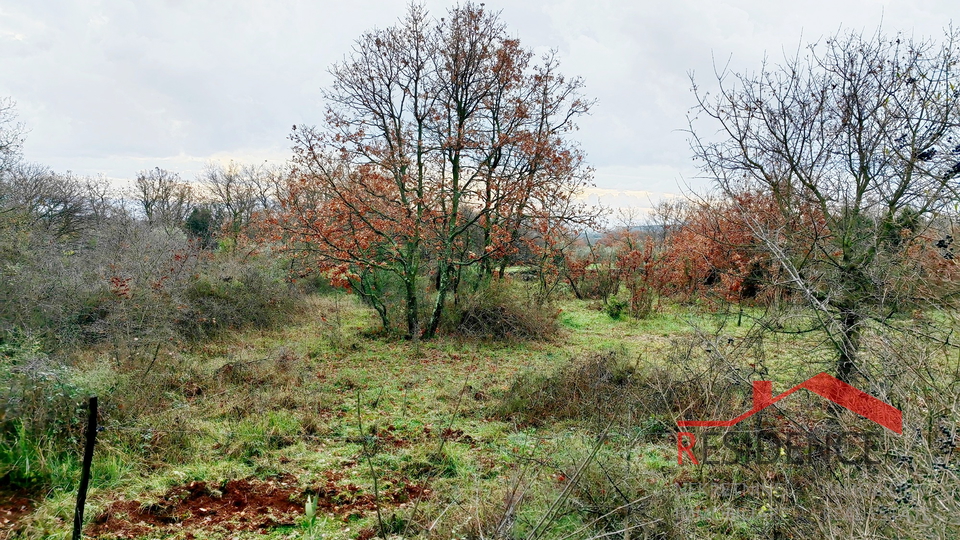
[(370, 295), (444, 284), (849, 345), (574, 288), (413, 308)]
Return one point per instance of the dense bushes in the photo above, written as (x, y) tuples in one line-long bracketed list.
[(596, 387), (79, 266), (126, 281)]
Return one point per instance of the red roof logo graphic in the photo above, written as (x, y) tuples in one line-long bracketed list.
[(823, 385)]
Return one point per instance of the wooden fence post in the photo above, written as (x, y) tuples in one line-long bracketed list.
[(85, 471)]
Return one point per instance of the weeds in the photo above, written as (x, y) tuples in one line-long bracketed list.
[(598, 388)]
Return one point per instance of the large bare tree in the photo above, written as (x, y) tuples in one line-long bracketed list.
[(857, 140)]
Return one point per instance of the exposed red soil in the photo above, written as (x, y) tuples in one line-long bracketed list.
[(239, 505), (246, 505), (350, 501), (13, 507)]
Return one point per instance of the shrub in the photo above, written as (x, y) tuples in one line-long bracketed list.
[(615, 308), (42, 418), (233, 296), (501, 310)]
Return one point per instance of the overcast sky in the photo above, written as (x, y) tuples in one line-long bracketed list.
[(113, 87)]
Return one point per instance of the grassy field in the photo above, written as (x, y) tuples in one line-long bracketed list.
[(322, 429)]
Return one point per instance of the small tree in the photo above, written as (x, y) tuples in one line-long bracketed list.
[(200, 225), (857, 143)]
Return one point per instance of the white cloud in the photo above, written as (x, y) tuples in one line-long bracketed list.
[(121, 85)]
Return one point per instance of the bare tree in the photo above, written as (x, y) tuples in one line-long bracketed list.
[(11, 134), (164, 198), (268, 181), (52, 201), (102, 199), (857, 141), (667, 216), (236, 193)]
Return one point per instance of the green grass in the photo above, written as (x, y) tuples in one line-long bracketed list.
[(320, 397), (255, 423)]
